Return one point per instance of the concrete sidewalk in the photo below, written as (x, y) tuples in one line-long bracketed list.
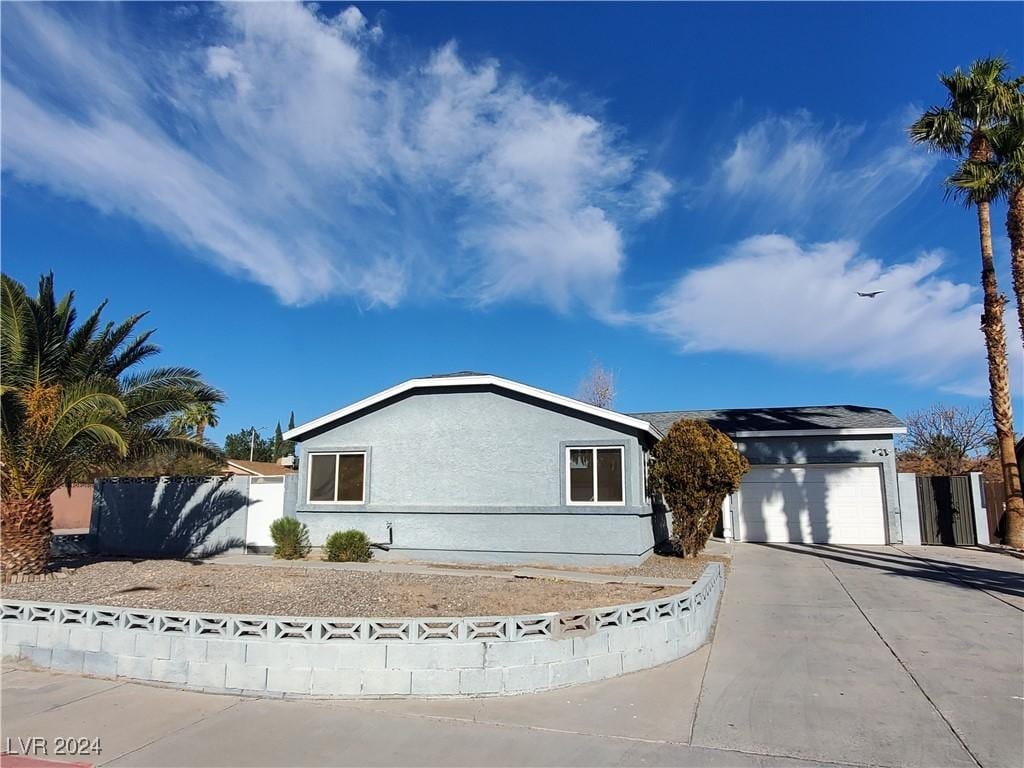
[(643, 718)]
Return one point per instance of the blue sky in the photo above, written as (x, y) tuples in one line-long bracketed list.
[(317, 203)]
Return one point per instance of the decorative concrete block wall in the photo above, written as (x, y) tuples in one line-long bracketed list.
[(329, 657)]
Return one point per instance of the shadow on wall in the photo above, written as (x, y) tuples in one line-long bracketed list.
[(170, 516), (790, 490), (661, 521)]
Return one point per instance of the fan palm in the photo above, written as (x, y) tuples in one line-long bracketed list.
[(978, 106), (195, 419), (1010, 151), (1002, 176), (71, 408)]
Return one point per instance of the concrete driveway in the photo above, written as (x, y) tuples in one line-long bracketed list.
[(822, 656), (880, 656)]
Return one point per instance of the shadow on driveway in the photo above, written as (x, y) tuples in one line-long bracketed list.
[(1005, 582)]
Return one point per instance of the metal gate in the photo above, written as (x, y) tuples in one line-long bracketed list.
[(947, 511)]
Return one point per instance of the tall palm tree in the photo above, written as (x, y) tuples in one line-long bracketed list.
[(195, 419), (1003, 177), (978, 105), (1011, 151), (71, 408)]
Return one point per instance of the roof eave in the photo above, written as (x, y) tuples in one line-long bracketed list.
[(472, 381), (821, 432)]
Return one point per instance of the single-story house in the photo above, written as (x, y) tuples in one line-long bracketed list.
[(246, 468), (473, 467)]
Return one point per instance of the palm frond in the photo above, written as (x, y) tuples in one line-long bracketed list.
[(940, 129), (17, 333), (79, 361), (187, 380), (137, 350), (156, 439), (975, 181), (987, 72)]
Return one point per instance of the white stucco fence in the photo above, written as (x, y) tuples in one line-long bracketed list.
[(362, 657)]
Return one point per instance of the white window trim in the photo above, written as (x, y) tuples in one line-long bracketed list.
[(335, 454), (568, 476)]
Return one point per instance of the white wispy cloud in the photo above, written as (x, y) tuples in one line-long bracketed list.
[(284, 148), (792, 170), (771, 296), (284, 145)]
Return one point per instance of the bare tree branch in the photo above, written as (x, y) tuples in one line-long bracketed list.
[(950, 438), (597, 387)]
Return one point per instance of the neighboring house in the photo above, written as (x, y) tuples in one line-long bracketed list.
[(72, 508), (257, 468), (474, 467)]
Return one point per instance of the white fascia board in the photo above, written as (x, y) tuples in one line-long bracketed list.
[(858, 432), (474, 381), (246, 470)]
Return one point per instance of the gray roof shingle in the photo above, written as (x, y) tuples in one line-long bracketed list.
[(455, 374), (732, 420)]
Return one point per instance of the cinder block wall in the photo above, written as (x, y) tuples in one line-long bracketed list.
[(170, 516), (282, 656)]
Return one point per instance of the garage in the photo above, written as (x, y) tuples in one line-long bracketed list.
[(812, 504), (818, 474)]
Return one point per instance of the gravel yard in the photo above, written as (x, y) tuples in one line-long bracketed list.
[(658, 566), (672, 567), (188, 586)]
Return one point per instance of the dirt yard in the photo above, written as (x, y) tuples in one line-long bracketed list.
[(189, 586)]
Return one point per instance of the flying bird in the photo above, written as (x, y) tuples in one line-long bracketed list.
[(869, 294)]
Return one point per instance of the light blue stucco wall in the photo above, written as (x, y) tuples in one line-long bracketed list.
[(869, 449), (479, 474)]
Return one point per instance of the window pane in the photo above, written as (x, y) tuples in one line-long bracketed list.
[(581, 475), (609, 475), (350, 477), (321, 477)]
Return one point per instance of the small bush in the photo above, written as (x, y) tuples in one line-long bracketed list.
[(347, 546), (291, 538), (695, 467)]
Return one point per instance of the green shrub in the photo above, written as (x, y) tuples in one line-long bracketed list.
[(347, 546), (695, 467), (291, 538)]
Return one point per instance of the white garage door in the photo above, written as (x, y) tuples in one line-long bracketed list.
[(813, 504)]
